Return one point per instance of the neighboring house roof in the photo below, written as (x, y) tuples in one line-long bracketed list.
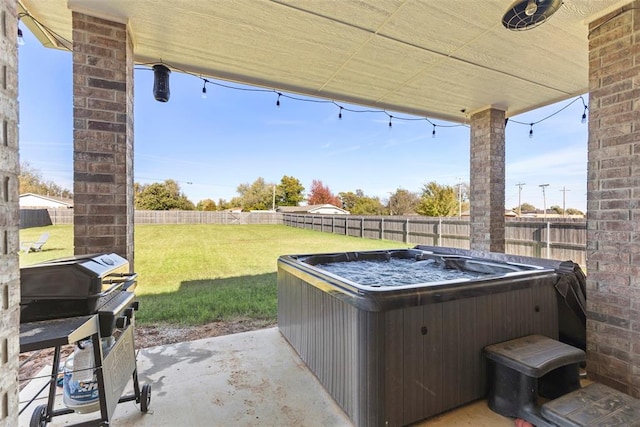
[(314, 209), (32, 200)]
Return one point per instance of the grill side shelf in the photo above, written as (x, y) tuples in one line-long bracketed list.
[(55, 333)]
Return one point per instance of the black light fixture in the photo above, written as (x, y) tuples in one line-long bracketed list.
[(161, 83), (527, 14)]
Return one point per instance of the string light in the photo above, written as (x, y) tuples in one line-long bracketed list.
[(20, 38), (583, 119), (204, 88), (59, 40), (67, 44), (391, 117)]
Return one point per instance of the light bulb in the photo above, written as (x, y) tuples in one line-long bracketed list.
[(204, 92), (20, 38), (584, 118), (532, 7)]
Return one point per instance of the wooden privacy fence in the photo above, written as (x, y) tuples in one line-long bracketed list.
[(558, 238), (42, 217), (207, 217)]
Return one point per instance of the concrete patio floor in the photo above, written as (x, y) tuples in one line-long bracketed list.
[(246, 379)]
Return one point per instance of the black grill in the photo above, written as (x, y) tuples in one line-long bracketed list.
[(77, 286)]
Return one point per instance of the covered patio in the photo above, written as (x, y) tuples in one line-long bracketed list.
[(246, 379), (450, 60)]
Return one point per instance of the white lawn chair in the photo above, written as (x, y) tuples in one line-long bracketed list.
[(34, 246)]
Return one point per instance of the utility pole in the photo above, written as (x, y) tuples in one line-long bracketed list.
[(544, 199), (564, 195), (460, 198), (274, 199), (520, 185)]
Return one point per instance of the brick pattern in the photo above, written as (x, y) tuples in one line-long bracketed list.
[(487, 187), (9, 216), (103, 136), (613, 201)]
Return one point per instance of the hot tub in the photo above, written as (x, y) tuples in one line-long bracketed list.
[(392, 352)]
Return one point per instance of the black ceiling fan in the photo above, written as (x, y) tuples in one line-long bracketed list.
[(527, 14)]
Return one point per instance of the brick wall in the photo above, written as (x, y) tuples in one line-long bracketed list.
[(613, 200), (9, 216), (103, 136), (487, 181)]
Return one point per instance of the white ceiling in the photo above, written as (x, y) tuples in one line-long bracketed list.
[(431, 58)]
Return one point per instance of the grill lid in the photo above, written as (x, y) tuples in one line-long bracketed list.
[(72, 286), (93, 265), (75, 277)]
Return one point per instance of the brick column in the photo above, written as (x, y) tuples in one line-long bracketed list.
[(9, 216), (487, 181), (613, 201), (103, 136)]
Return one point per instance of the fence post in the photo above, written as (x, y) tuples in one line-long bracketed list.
[(406, 231), (548, 239), (438, 236), (381, 228), (362, 227)]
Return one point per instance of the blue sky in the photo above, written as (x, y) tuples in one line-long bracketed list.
[(210, 146)]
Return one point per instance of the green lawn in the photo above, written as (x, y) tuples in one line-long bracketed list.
[(193, 274)]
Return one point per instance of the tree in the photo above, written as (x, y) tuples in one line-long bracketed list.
[(574, 211), (438, 200), (161, 196), (224, 205), (30, 181), (402, 202), (255, 196), (320, 195), (525, 207), (349, 199), (359, 204), (290, 192), (206, 205), (557, 209)]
